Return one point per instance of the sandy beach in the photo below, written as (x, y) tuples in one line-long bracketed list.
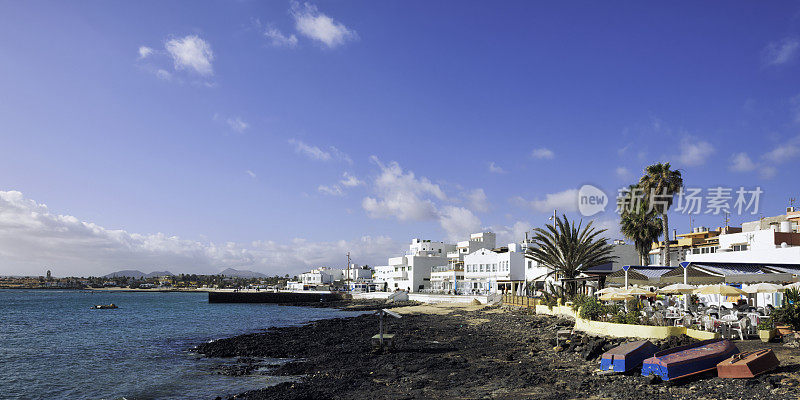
[(468, 352)]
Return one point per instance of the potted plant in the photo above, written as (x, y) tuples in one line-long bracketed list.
[(787, 317), (766, 330)]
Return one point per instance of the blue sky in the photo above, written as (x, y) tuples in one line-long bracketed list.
[(277, 135)]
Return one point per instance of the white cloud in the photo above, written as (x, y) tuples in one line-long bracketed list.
[(623, 173), (318, 26), (309, 151), (458, 222), (542, 154), (333, 190), (278, 39), (402, 195), (477, 200), (611, 225), (191, 52), (237, 124), (511, 234), (144, 52), (316, 153), (767, 172), (163, 75), (564, 201), (783, 153), (781, 52), (32, 239), (350, 180), (694, 152), (741, 162), (493, 168), (250, 173)]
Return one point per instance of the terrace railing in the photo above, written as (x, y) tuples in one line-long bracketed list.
[(522, 301)]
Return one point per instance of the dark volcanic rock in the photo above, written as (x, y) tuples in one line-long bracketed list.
[(461, 355)]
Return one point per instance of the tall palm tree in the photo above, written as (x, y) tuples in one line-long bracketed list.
[(660, 180), (569, 248), (638, 222)]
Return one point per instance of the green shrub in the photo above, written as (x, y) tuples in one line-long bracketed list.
[(592, 309), (789, 312), (766, 325), (579, 300)]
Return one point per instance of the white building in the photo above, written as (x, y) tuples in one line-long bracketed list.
[(381, 275), (447, 278), (320, 276), (777, 243), (357, 273), (412, 272), (491, 271), (330, 276)]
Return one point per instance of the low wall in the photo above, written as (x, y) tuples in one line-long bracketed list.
[(563, 311), (702, 335), (625, 330)]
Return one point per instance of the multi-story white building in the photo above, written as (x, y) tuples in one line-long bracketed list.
[(381, 275), (319, 276), (777, 243), (492, 271), (412, 272), (447, 278)]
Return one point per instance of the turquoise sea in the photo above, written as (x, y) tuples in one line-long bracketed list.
[(53, 346)]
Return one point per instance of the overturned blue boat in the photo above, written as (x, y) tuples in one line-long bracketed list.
[(627, 356), (682, 361)]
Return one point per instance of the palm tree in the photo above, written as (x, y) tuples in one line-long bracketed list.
[(659, 180), (638, 222), (568, 248)]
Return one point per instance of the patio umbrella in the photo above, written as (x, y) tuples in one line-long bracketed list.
[(615, 296), (763, 288), (635, 291), (721, 290), (795, 285), (607, 290), (679, 288)]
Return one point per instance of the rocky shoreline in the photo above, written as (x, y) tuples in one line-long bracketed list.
[(466, 354)]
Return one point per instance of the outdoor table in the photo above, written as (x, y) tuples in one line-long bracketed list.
[(727, 322)]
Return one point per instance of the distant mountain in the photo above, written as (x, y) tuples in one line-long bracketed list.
[(242, 273), (134, 273)]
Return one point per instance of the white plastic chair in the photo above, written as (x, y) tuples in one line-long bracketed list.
[(742, 327)]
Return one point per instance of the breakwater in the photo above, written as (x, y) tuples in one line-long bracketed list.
[(273, 297)]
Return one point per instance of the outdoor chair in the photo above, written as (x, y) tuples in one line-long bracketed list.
[(742, 328), (658, 318)]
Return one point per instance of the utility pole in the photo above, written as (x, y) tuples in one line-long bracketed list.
[(348, 271)]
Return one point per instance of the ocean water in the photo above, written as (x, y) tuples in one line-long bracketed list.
[(53, 346)]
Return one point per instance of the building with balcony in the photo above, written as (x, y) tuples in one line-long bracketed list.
[(498, 270), (447, 279)]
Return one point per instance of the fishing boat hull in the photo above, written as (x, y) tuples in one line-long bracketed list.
[(627, 356), (748, 365), (688, 360)]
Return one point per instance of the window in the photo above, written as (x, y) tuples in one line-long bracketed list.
[(409, 268), (739, 247)]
